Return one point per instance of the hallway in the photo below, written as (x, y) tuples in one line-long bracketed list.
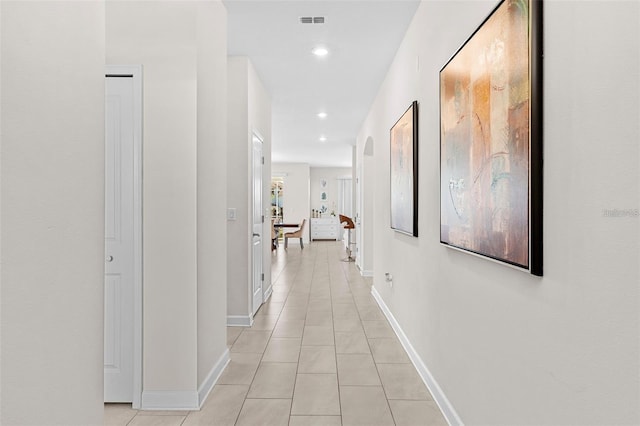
[(320, 352)]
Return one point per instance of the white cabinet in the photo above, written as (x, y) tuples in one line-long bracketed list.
[(325, 228)]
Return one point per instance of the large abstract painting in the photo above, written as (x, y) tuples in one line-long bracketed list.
[(491, 147), (404, 172)]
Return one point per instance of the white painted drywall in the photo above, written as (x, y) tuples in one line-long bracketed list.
[(331, 175), (296, 193), (260, 122), (162, 37), (181, 46), (365, 172), (354, 168), (507, 347), (238, 255), (212, 171), (52, 218), (249, 110)]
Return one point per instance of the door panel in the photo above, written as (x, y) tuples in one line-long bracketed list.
[(112, 328), (119, 243), (257, 224)]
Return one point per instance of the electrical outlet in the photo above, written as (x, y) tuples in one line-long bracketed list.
[(388, 278)]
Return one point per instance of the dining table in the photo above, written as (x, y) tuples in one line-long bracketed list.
[(278, 227)]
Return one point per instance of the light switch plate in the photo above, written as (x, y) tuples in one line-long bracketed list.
[(231, 213)]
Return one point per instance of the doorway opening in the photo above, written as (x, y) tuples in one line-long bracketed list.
[(277, 198)]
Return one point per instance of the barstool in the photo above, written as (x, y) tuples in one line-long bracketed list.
[(348, 225)]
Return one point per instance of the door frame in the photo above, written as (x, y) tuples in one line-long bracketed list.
[(256, 134), (135, 72), (359, 208)]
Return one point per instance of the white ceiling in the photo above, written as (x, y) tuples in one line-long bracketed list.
[(362, 37)]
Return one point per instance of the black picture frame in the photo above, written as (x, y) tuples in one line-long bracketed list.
[(404, 172), (491, 148)]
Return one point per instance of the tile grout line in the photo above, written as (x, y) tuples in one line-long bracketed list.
[(334, 279), (372, 357), (295, 380), (265, 349), (335, 344)]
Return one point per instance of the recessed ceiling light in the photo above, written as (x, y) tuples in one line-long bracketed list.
[(323, 138), (320, 51), (322, 115)]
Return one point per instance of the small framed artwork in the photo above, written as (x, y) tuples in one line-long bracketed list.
[(491, 139), (404, 172)]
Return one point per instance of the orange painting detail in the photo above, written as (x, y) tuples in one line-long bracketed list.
[(485, 133)]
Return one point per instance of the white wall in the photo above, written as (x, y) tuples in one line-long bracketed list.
[(507, 347), (182, 47), (331, 174), (212, 170), (365, 174), (237, 182), (260, 121), (354, 177), (249, 110), (296, 193), (52, 217)]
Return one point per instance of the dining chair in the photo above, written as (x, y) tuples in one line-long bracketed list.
[(295, 234), (274, 236)]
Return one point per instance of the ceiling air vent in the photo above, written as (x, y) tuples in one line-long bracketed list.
[(312, 20)]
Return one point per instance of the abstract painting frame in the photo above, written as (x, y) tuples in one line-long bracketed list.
[(491, 139), (404, 172)]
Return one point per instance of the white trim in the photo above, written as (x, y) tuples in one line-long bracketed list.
[(450, 414), (136, 72), (268, 293), (239, 320), (213, 376), (366, 273), (256, 136), (185, 400), (170, 400)]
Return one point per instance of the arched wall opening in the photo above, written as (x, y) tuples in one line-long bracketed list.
[(365, 190)]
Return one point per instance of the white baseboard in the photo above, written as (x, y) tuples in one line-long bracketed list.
[(170, 400), (363, 272), (267, 294), (185, 400), (440, 398), (366, 273), (213, 376), (239, 321)]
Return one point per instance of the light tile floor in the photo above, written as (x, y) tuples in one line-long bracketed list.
[(320, 352)]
